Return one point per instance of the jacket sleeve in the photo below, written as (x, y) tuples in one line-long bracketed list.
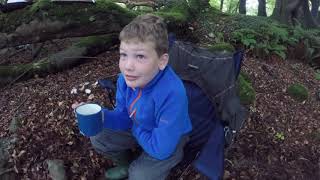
[(173, 121), (118, 119)]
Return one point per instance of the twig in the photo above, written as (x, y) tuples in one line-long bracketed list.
[(20, 105), (17, 78), (18, 51), (6, 171)]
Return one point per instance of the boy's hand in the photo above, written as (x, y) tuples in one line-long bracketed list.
[(76, 104)]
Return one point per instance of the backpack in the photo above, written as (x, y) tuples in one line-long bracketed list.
[(215, 74), (210, 79)]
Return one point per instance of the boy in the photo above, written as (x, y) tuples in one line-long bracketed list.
[(152, 107)]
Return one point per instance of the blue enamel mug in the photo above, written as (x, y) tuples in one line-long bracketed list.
[(90, 120)]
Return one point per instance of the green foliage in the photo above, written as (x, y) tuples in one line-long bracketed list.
[(279, 136), (246, 92), (176, 10), (298, 92), (41, 4), (311, 40), (246, 77), (317, 75), (267, 39)]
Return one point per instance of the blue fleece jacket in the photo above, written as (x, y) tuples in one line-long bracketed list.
[(157, 114)]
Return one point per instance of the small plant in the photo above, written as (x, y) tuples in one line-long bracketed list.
[(298, 92), (279, 136), (265, 40)]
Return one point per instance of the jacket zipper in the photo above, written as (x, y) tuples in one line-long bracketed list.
[(133, 112)]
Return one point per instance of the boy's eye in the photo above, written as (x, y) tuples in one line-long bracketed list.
[(123, 55), (140, 56)]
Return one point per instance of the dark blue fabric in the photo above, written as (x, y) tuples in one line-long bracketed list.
[(171, 39), (211, 159), (238, 57), (207, 136)]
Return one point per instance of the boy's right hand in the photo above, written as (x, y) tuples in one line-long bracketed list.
[(76, 104)]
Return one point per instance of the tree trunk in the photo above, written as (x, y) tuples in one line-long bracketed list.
[(42, 22), (221, 5), (315, 8), (45, 20), (242, 7), (262, 8), (294, 12), (277, 9), (76, 54)]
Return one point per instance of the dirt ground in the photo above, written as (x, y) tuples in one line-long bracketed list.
[(280, 140)]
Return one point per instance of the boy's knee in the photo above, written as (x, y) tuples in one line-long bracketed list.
[(97, 145), (136, 172)]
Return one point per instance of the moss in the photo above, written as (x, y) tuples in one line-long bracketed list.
[(298, 92), (172, 16), (93, 40), (246, 92), (221, 47), (175, 11), (246, 77)]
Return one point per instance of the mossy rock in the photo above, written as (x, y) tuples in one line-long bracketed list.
[(298, 92), (219, 47), (246, 92)]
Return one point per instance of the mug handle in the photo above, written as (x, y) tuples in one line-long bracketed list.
[(102, 115)]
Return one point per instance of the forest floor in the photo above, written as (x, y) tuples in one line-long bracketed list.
[(280, 140)]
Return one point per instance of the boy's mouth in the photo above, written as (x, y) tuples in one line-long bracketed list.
[(131, 78)]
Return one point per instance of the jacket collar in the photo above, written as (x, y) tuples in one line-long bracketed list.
[(154, 80)]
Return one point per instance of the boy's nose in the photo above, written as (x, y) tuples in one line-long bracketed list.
[(129, 65)]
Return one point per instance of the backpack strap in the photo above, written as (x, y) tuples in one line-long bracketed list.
[(110, 88)]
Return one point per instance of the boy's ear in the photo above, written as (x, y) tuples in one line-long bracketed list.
[(164, 59)]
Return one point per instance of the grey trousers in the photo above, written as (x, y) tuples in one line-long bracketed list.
[(110, 142)]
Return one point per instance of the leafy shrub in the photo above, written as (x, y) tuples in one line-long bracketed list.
[(267, 39)]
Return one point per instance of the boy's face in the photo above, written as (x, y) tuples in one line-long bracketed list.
[(139, 62)]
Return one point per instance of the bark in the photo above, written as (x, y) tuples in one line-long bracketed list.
[(242, 7), (315, 8), (221, 5), (294, 12), (73, 55), (277, 9), (262, 8)]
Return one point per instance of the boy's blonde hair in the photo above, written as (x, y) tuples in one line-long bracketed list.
[(150, 28)]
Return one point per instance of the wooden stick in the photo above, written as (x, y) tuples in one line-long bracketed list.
[(6, 171)]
